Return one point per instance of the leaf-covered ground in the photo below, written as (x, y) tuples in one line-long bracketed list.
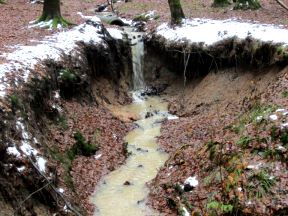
[(235, 146)]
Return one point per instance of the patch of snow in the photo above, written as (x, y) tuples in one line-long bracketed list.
[(97, 156), (249, 203), (256, 166), (60, 190), (25, 58), (27, 149), (13, 151), (125, 21), (284, 125), (21, 169), (259, 118), (35, 140), (192, 181), (92, 18), (172, 117), (273, 117), (65, 208), (280, 148), (115, 33), (43, 24), (280, 110), (41, 164), (56, 94), (210, 31), (185, 212)]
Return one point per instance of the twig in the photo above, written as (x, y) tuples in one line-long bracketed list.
[(69, 206), (282, 4), (29, 196), (176, 152)]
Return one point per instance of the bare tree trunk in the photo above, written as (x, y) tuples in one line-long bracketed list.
[(177, 13), (51, 9)]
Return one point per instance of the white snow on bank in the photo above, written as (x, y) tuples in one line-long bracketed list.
[(25, 58), (209, 31), (115, 33), (192, 181), (13, 151), (185, 212), (26, 148)]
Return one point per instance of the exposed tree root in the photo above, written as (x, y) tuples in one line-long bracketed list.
[(56, 21)]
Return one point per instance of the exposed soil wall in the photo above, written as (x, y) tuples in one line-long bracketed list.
[(228, 88), (69, 99)]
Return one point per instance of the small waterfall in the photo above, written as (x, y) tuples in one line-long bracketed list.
[(137, 49)]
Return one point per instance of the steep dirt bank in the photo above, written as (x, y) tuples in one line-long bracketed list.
[(59, 118), (231, 137)]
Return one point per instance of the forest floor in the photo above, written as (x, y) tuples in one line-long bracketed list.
[(17, 14)]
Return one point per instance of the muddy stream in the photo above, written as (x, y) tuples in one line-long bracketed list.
[(123, 192)]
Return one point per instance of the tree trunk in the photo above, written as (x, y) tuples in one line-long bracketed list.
[(51, 9), (177, 13)]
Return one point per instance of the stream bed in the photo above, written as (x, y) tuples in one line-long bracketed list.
[(123, 192)]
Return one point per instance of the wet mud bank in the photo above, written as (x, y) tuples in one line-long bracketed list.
[(57, 136), (225, 158)]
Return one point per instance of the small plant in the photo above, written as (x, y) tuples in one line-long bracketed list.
[(244, 141), (260, 184), (81, 147), (67, 75), (62, 122), (15, 101), (247, 4), (219, 207), (221, 3), (285, 94)]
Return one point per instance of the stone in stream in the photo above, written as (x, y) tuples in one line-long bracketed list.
[(127, 183), (142, 150), (148, 115)]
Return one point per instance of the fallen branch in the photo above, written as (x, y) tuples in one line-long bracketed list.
[(69, 206), (29, 196), (177, 151), (282, 4)]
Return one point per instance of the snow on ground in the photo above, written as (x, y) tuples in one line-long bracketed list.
[(26, 57), (209, 31)]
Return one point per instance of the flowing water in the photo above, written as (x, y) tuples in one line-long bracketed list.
[(123, 192)]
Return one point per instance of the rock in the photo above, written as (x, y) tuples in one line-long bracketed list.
[(148, 115), (127, 183), (190, 183)]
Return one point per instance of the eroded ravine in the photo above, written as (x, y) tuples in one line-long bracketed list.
[(124, 190)]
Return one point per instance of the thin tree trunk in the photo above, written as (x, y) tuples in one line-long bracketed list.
[(177, 13)]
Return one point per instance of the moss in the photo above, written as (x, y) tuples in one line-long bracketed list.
[(244, 141), (81, 147), (67, 75), (221, 3), (15, 101), (247, 4), (285, 94)]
